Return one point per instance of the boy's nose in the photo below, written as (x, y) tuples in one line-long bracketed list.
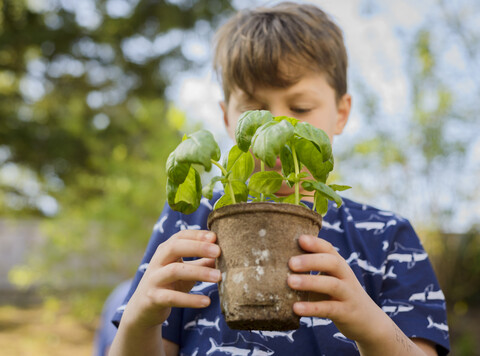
[(278, 111)]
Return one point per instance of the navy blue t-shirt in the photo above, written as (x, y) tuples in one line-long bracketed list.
[(381, 248)]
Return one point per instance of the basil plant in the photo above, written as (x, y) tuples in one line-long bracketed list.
[(305, 154)]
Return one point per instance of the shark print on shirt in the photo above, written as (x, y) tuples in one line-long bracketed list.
[(381, 248)]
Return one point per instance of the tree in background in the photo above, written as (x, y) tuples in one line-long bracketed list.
[(85, 126), (427, 159)]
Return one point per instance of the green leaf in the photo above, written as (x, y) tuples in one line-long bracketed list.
[(269, 140), (317, 136), (321, 203), (286, 158), (207, 191), (322, 189), (223, 201), (185, 197), (241, 164), (290, 199), (176, 172), (291, 120), (240, 191), (339, 187), (247, 125), (308, 154), (200, 147), (265, 182)]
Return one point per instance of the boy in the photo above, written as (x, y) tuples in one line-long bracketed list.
[(289, 59)]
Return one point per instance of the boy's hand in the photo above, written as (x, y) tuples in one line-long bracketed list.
[(168, 279), (348, 306)]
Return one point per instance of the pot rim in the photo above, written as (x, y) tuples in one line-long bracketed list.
[(259, 207)]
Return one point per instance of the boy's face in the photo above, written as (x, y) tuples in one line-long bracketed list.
[(311, 99)]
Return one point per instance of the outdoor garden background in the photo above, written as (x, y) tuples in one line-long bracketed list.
[(94, 95)]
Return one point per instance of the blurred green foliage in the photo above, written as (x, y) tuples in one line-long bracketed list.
[(85, 127)]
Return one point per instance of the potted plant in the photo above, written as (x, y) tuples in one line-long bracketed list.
[(257, 239)]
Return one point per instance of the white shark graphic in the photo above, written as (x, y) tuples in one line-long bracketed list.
[(347, 212), (204, 201), (379, 227), (341, 337), (159, 225), (255, 348), (335, 226), (389, 274), (200, 286), (393, 308), (143, 267), (410, 256), (439, 326), (273, 334), (390, 214), (354, 258), (184, 226), (385, 245), (311, 322), (201, 324), (428, 294)]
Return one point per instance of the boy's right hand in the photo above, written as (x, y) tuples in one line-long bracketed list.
[(168, 278)]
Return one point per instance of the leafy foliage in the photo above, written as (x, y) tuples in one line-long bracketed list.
[(297, 144), (85, 127)]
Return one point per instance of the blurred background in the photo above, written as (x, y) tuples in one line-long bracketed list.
[(94, 94)]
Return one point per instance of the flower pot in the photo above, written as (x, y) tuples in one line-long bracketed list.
[(257, 241)]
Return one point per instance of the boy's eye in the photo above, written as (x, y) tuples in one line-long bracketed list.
[(300, 110)]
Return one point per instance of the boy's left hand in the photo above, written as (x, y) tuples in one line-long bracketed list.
[(351, 309)]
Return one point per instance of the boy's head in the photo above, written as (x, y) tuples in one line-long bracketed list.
[(276, 46)]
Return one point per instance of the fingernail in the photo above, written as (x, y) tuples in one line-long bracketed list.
[(299, 307), (212, 250), (214, 275), (204, 302), (295, 262), (209, 235), (294, 280)]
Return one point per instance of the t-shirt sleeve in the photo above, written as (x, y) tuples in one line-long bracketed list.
[(411, 295)]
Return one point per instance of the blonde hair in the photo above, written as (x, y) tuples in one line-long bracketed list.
[(263, 45)]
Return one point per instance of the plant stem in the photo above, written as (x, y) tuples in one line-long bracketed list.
[(224, 171), (229, 185), (262, 169), (297, 172)]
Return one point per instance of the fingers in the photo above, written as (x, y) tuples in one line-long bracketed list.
[(314, 244), (187, 243), (185, 272), (331, 286), (206, 262), (324, 258), (326, 309), (166, 298)]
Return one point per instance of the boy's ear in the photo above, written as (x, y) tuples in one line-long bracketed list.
[(344, 107), (223, 106)]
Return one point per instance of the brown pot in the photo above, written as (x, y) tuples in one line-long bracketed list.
[(257, 241)]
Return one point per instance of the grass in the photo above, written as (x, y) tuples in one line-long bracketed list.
[(48, 329)]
